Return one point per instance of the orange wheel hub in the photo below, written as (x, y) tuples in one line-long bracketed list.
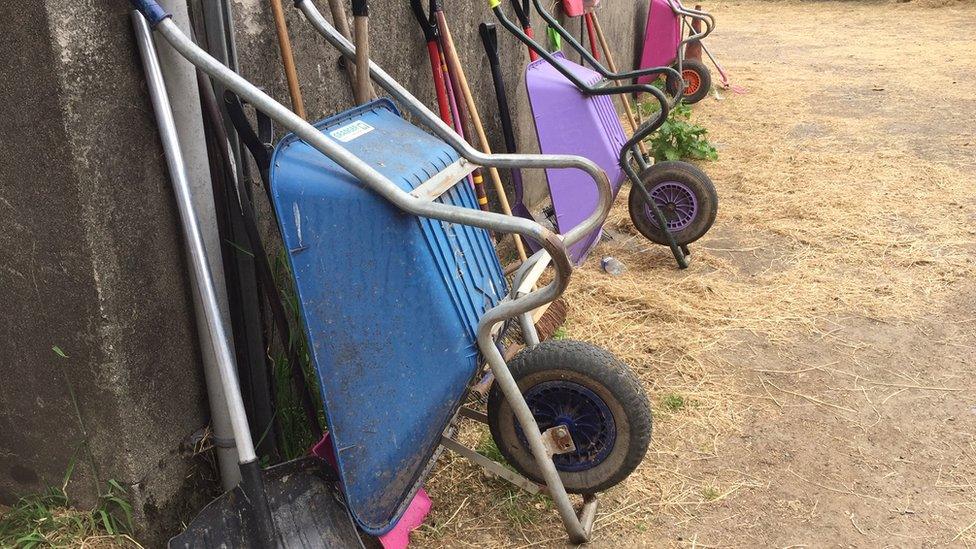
[(693, 81)]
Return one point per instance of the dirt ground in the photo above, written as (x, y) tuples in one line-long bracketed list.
[(812, 372)]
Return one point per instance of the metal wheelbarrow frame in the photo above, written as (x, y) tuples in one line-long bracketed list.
[(553, 441), (522, 299), (630, 159)]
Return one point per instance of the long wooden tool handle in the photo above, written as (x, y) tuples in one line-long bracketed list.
[(613, 68), (455, 64), (288, 59), (591, 35), (362, 90), (342, 25)]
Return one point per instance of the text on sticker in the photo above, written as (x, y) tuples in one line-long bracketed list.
[(351, 131)]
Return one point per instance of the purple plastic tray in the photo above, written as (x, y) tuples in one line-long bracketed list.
[(568, 122)]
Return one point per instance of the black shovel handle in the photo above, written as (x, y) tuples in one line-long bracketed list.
[(489, 37), (426, 21)]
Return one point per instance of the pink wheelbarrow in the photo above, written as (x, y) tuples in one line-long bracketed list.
[(664, 46)]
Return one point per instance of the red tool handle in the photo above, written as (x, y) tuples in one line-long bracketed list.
[(591, 34), (443, 106), (531, 34)]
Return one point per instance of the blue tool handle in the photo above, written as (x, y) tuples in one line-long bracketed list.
[(151, 10)]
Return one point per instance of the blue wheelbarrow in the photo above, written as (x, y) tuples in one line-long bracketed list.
[(405, 306)]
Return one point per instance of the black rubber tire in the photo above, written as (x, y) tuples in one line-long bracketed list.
[(704, 81), (695, 180), (603, 374)]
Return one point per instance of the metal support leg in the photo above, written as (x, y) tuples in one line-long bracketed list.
[(529, 333), (680, 252)]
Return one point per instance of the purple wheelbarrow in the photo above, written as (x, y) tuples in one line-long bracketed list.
[(672, 203), (664, 45)]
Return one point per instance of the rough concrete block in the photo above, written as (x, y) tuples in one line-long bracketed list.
[(91, 261)]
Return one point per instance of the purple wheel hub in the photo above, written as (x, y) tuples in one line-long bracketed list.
[(676, 201)]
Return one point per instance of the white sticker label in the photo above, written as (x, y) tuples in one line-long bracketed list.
[(351, 131)]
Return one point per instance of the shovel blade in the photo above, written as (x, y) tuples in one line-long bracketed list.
[(305, 502)]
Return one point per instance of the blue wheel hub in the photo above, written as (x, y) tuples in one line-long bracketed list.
[(580, 410)]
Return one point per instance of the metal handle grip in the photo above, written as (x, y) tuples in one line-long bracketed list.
[(548, 240), (151, 10), (703, 16)]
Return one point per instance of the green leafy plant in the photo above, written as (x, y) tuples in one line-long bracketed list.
[(678, 138)]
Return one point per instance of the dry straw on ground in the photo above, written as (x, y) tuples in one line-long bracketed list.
[(828, 210)]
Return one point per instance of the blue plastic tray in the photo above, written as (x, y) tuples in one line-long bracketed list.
[(390, 301)]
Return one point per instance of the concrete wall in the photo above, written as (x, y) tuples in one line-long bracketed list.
[(91, 256), (91, 261)]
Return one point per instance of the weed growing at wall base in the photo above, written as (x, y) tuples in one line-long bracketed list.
[(48, 520), (678, 138)]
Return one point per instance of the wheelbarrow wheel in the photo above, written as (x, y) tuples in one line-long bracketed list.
[(591, 392), (698, 81), (686, 197)]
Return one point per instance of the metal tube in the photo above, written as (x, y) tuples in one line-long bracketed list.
[(182, 92), (507, 384), (529, 333), (436, 125), (199, 265), (551, 242)]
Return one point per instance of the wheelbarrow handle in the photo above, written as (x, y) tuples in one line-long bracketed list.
[(443, 131), (702, 16), (548, 240), (585, 54), (151, 10), (639, 133)]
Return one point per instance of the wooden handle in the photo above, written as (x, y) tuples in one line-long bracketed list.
[(288, 59), (613, 68), (455, 64), (362, 90), (342, 25)]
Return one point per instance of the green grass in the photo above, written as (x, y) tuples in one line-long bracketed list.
[(488, 448), (710, 493), (296, 433), (523, 509), (673, 402), (519, 507), (49, 520)]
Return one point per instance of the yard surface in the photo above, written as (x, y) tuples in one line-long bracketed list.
[(812, 373)]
